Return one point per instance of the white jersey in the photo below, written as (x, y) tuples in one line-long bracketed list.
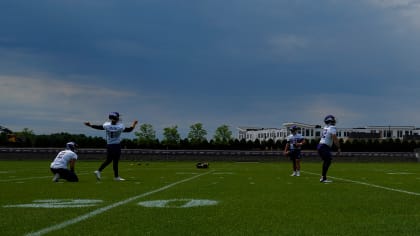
[(62, 159), (327, 135), (293, 139), (113, 132)]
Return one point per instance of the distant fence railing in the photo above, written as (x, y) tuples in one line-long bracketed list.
[(163, 152)]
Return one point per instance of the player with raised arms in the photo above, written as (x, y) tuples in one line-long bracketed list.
[(328, 138), (113, 129)]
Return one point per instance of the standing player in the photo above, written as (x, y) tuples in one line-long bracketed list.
[(293, 148), (328, 138), (113, 129), (64, 159)]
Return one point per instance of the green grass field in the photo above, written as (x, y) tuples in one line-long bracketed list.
[(175, 198)]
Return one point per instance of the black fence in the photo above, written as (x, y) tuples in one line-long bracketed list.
[(201, 155)]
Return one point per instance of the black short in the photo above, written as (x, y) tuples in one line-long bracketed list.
[(65, 174), (113, 151), (295, 154), (324, 151)]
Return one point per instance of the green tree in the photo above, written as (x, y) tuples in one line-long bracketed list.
[(197, 134), (171, 137), (146, 136), (269, 144), (278, 145), (27, 137), (222, 135), (257, 144), (3, 139)]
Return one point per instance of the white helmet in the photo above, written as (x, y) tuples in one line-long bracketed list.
[(71, 146)]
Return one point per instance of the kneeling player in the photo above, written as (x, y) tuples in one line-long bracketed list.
[(63, 160)]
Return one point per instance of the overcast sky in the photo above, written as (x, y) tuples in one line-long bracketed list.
[(235, 62)]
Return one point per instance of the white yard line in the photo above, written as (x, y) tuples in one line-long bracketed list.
[(106, 208), (368, 184), (21, 179), (32, 178)]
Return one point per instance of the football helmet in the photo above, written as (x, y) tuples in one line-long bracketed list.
[(71, 146), (330, 120), (114, 116), (293, 128)]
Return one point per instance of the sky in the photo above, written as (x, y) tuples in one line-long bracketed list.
[(257, 63)]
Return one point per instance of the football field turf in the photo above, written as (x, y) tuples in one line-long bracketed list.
[(229, 198)]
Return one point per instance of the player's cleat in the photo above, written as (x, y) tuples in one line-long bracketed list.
[(297, 173), (56, 177), (325, 181), (97, 174), (118, 179), (293, 174)]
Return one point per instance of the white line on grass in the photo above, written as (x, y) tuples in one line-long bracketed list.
[(368, 184), (21, 179), (32, 178), (106, 208)]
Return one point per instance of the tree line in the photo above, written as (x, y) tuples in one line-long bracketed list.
[(145, 138)]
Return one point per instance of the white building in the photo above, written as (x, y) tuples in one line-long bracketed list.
[(311, 132)]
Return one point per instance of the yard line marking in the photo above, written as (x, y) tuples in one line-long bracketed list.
[(20, 179), (31, 178), (368, 184), (106, 208)]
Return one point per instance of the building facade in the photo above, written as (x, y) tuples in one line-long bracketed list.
[(312, 132)]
